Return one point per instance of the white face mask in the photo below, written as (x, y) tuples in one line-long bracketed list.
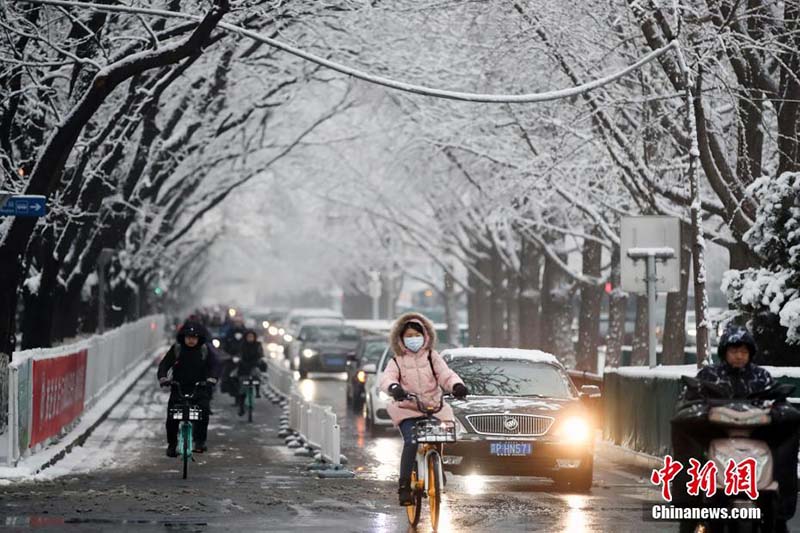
[(414, 343)]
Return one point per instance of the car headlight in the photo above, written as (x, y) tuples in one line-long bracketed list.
[(383, 396), (281, 331), (308, 353), (575, 429), (265, 324), (236, 360), (215, 343), (361, 376), (273, 330), (288, 338)]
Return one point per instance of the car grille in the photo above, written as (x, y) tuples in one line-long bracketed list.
[(510, 424)]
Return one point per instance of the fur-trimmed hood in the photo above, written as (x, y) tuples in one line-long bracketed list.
[(396, 341)]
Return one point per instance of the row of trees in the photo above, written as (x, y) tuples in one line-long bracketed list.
[(502, 196), (133, 127)]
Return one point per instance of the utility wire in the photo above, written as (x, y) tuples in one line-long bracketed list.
[(379, 80)]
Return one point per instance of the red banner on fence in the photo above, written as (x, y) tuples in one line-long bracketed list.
[(58, 392)]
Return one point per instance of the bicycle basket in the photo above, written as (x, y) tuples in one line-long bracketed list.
[(435, 431), (192, 413)]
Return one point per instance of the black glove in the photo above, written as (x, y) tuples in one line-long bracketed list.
[(164, 382), (397, 392), (460, 391)]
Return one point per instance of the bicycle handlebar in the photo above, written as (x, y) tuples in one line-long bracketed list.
[(177, 386), (424, 409)]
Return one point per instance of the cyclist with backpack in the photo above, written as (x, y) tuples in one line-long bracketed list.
[(419, 369), (191, 362)]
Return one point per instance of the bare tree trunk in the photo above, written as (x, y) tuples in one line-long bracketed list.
[(473, 310), (557, 313), (451, 309), (617, 306), (483, 301), (674, 341), (640, 334), (591, 300), (530, 297), (513, 309), (498, 295)]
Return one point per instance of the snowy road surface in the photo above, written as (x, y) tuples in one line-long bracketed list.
[(120, 480)]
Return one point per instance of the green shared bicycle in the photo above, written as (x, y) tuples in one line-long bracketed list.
[(250, 385), (187, 411)]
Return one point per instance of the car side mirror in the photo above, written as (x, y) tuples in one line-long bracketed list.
[(590, 391), (370, 368)]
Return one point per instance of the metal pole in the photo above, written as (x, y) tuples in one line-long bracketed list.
[(101, 297), (651, 309)]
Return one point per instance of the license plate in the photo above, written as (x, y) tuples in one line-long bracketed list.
[(334, 361), (510, 449)]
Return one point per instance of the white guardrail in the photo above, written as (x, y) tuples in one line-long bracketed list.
[(309, 428), (49, 388)]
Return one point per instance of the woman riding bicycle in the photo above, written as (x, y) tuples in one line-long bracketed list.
[(416, 368)]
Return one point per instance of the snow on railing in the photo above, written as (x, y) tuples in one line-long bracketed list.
[(49, 388), (309, 428)]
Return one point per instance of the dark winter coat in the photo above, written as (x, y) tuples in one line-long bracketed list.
[(250, 357), (189, 365), (738, 382)]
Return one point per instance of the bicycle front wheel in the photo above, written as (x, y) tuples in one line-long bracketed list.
[(435, 488), (415, 509), (250, 400), (186, 451)]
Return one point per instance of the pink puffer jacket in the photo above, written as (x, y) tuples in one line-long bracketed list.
[(413, 372)]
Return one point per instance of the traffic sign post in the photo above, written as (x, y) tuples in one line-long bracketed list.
[(654, 241), (22, 205)]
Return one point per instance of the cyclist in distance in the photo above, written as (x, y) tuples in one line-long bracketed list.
[(419, 369), (191, 363), (252, 360)]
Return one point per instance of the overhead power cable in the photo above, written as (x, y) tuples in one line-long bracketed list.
[(380, 80)]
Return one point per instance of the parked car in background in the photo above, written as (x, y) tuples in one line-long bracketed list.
[(375, 400), (524, 416), (296, 317), (368, 354), (323, 345)]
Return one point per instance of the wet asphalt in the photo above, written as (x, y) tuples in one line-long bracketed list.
[(121, 481)]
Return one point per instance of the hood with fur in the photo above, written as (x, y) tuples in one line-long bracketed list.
[(396, 341)]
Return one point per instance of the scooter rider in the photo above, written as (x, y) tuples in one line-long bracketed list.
[(191, 362), (739, 376)]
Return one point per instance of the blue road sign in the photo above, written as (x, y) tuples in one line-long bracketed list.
[(23, 206)]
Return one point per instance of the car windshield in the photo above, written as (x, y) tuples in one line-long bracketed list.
[(509, 377), (373, 351), (330, 334)]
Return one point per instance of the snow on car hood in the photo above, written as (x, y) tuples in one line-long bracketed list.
[(495, 404)]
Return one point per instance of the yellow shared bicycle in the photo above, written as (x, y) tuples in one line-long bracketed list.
[(427, 476)]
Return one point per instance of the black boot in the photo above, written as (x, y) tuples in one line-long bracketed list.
[(172, 451), (406, 497), (200, 447)]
